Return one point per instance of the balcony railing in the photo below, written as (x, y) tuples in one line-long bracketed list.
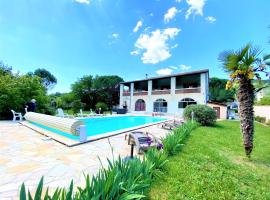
[(140, 93), (159, 92), (188, 90)]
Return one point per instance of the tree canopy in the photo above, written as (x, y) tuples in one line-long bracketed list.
[(47, 79), (218, 92), (91, 90)]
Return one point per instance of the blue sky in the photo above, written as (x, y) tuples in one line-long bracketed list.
[(129, 38)]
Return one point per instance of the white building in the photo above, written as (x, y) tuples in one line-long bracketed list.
[(166, 94)]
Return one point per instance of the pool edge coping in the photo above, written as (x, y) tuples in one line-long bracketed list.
[(71, 143)]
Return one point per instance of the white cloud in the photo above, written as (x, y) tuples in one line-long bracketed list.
[(170, 14), (165, 71), (178, 1), (195, 7), (211, 19), (138, 26), (83, 1), (184, 67), (115, 35), (156, 45)]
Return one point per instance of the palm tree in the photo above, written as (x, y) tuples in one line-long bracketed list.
[(243, 66)]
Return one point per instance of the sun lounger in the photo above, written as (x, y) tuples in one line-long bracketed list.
[(171, 124), (16, 115), (81, 114), (142, 141), (60, 113)]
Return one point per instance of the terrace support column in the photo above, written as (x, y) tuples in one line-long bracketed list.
[(149, 102), (121, 101), (149, 87), (131, 107), (173, 85), (204, 87)]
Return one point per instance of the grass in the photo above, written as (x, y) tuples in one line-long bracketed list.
[(212, 165)]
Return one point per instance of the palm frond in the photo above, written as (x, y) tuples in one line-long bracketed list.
[(266, 59), (228, 60)]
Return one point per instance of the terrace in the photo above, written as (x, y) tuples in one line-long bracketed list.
[(161, 86), (26, 156), (140, 88), (126, 90), (169, 85), (188, 84)]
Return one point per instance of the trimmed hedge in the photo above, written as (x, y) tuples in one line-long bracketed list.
[(260, 119), (203, 114)]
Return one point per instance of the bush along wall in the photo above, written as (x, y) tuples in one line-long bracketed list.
[(124, 180), (203, 114)]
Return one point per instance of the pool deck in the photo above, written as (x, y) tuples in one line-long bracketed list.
[(26, 156)]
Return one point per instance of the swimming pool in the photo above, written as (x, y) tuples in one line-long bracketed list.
[(105, 126)]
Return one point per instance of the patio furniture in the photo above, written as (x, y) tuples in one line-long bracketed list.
[(60, 113), (171, 124), (16, 115), (142, 141), (81, 114)]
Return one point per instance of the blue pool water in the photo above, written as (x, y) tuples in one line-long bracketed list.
[(100, 125)]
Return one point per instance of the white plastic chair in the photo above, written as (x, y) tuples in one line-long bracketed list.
[(16, 115), (60, 113), (80, 114)]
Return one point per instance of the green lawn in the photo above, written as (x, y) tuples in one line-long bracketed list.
[(212, 165)]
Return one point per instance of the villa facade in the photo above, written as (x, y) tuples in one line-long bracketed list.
[(165, 94)]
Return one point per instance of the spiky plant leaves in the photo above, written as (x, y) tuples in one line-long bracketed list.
[(22, 192)]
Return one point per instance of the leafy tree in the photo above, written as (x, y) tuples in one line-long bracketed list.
[(82, 89), (16, 91), (65, 100), (108, 89), (218, 92), (243, 66), (76, 106), (97, 89), (5, 69), (48, 80)]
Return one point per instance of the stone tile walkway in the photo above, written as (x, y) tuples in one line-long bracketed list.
[(26, 156)]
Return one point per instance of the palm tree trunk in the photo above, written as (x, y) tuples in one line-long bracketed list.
[(245, 97)]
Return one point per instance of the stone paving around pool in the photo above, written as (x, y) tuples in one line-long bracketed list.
[(26, 156)]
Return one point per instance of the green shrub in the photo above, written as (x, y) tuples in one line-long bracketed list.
[(203, 114), (102, 105), (260, 119), (264, 101), (175, 140), (76, 106)]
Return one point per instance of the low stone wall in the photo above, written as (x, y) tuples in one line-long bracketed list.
[(262, 111)]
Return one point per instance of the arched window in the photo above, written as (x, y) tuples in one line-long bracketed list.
[(185, 102), (160, 105), (140, 105)]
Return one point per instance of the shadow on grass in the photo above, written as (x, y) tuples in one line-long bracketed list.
[(218, 126)]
